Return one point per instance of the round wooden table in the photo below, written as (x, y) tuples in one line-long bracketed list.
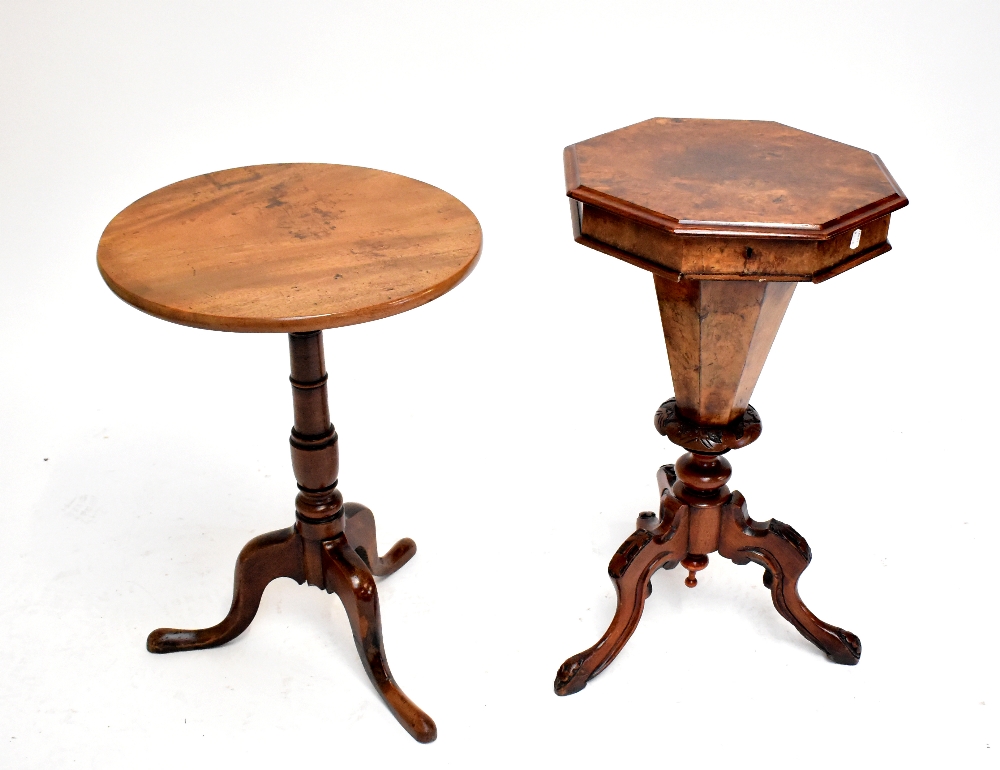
[(297, 248)]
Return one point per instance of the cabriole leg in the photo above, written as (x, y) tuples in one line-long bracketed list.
[(276, 554), (630, 570), (349, 577), (784, 554)]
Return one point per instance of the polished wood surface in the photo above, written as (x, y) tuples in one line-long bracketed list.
[(332, 545), (698, 515), (726, 215), (297, 248), (718, 334), (288, 247), (730, 200), (734, 176)]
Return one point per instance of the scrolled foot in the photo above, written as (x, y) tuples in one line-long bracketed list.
[(784, 554), (572, 676), (349, 576), (359, 527), (276, 554), (630, 569)]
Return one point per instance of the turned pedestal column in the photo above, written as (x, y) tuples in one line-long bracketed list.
[(727, 215)]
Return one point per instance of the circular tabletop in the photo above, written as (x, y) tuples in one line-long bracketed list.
[(288, 247)]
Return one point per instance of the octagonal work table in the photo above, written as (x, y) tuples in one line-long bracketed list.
[(727, 215)]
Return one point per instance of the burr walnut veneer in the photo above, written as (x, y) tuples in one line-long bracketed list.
[(297, 248), (727, 215)]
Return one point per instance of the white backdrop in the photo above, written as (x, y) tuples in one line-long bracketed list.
[(506, 427)]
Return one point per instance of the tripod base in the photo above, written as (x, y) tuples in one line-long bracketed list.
[(339, 556), (700, 518)]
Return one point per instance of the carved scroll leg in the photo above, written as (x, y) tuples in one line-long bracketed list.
[(348, 576), (360, 530), (276, 554), (665, 478), (784, 554), (630, 570)]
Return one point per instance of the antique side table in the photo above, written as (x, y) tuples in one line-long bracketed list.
[(727, 215), (297, 248)]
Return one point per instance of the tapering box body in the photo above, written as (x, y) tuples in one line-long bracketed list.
[(727, 215)]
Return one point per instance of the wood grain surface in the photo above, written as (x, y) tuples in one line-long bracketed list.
[(332, 545), (731, 200), (727, 215), (698, 516), (731, 177), (718, 335), (288, 247)]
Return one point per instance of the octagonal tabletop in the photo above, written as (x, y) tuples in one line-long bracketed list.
[(730, 199), (288, 247)]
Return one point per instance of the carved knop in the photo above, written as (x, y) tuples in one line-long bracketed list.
[(706, 438)]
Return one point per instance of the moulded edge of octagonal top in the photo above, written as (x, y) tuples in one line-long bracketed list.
[(816, 268), (827, 230)]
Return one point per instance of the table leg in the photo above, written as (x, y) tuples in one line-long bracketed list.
[(349, 577), (359, 527), (332, 545), (263, 559), (631, 568), (784, 554), (699, 516)]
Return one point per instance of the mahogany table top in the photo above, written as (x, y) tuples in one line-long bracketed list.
[(736, 176), (288, 247), (730, 199)]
